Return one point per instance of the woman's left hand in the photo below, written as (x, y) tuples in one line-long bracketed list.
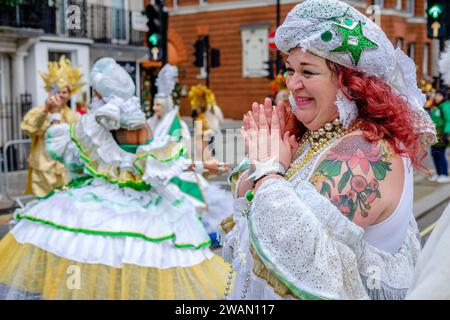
[(265, 141)]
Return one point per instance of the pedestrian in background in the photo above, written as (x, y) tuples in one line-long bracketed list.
[(81, 106), (205, 111), (45, 173), (440, 113)]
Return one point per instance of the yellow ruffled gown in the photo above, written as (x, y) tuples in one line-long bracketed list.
[(119, 230)]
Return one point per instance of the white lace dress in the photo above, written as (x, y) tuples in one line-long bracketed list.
[(292, 242)]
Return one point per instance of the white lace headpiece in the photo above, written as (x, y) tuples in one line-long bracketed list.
[(444, 65), (165, 82), (338, 32), (119, 108)]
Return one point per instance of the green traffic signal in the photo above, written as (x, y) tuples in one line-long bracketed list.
[(435, 11), (153, 39)]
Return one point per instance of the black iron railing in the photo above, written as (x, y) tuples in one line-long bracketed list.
[(11, 115), (100, 23), (29, 14)]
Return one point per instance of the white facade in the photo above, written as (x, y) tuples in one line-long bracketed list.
[(38, 58), (24, 52)]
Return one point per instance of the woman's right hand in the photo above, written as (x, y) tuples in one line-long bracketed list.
[(53, 104), (267, 108)]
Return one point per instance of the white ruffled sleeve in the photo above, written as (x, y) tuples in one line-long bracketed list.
[(384, 275), (162, 160), (313, 258), (60, 146), (317, 252)]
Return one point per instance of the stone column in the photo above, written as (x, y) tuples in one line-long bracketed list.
[(18, 67), (18, 74)]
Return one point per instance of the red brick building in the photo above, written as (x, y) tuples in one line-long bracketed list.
[(240, 29)]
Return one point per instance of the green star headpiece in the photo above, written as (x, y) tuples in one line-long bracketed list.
[(336, 31)]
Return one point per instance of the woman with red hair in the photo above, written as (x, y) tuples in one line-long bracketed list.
[(327, 200)]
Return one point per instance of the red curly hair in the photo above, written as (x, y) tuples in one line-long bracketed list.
[(384, 114)]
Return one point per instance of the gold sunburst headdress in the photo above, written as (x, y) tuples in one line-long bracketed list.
[(62, 74), (277, 84), (200, 92)]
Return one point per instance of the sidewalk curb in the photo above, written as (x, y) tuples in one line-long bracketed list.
[(431, 201)]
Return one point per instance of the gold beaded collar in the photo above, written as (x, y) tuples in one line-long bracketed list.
[(329, 131)]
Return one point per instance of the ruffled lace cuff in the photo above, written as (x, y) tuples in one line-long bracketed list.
[(61, 148)]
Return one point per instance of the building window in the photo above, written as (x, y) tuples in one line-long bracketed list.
[(379, 3), (399, 43), (411, 6), (119, 20), (426, 58), (398, 5), (2, 76), (54, 56), (411, 50), (255, 49)]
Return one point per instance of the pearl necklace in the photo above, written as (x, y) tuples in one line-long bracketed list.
[(330, 133)]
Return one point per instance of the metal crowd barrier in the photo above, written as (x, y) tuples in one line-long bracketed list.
[(14, 158)]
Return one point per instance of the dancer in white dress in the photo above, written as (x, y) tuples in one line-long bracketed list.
[(213, 203), (119, 230)]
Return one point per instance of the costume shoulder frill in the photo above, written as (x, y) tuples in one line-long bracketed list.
[(309, 250), (156, 162), (121, 210)]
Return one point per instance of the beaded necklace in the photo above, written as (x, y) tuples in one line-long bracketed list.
[(318, 141)]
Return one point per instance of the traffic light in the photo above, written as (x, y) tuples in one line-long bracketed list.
[(438, 23), (157, 31), (215, 58), (199, 46), (269, 68)]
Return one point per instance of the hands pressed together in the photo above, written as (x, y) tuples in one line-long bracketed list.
[(267, 134)]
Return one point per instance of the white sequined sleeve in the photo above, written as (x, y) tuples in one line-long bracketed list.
[(316, 251)]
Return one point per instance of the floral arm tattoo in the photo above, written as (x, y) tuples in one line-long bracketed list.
[(353, 169)]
